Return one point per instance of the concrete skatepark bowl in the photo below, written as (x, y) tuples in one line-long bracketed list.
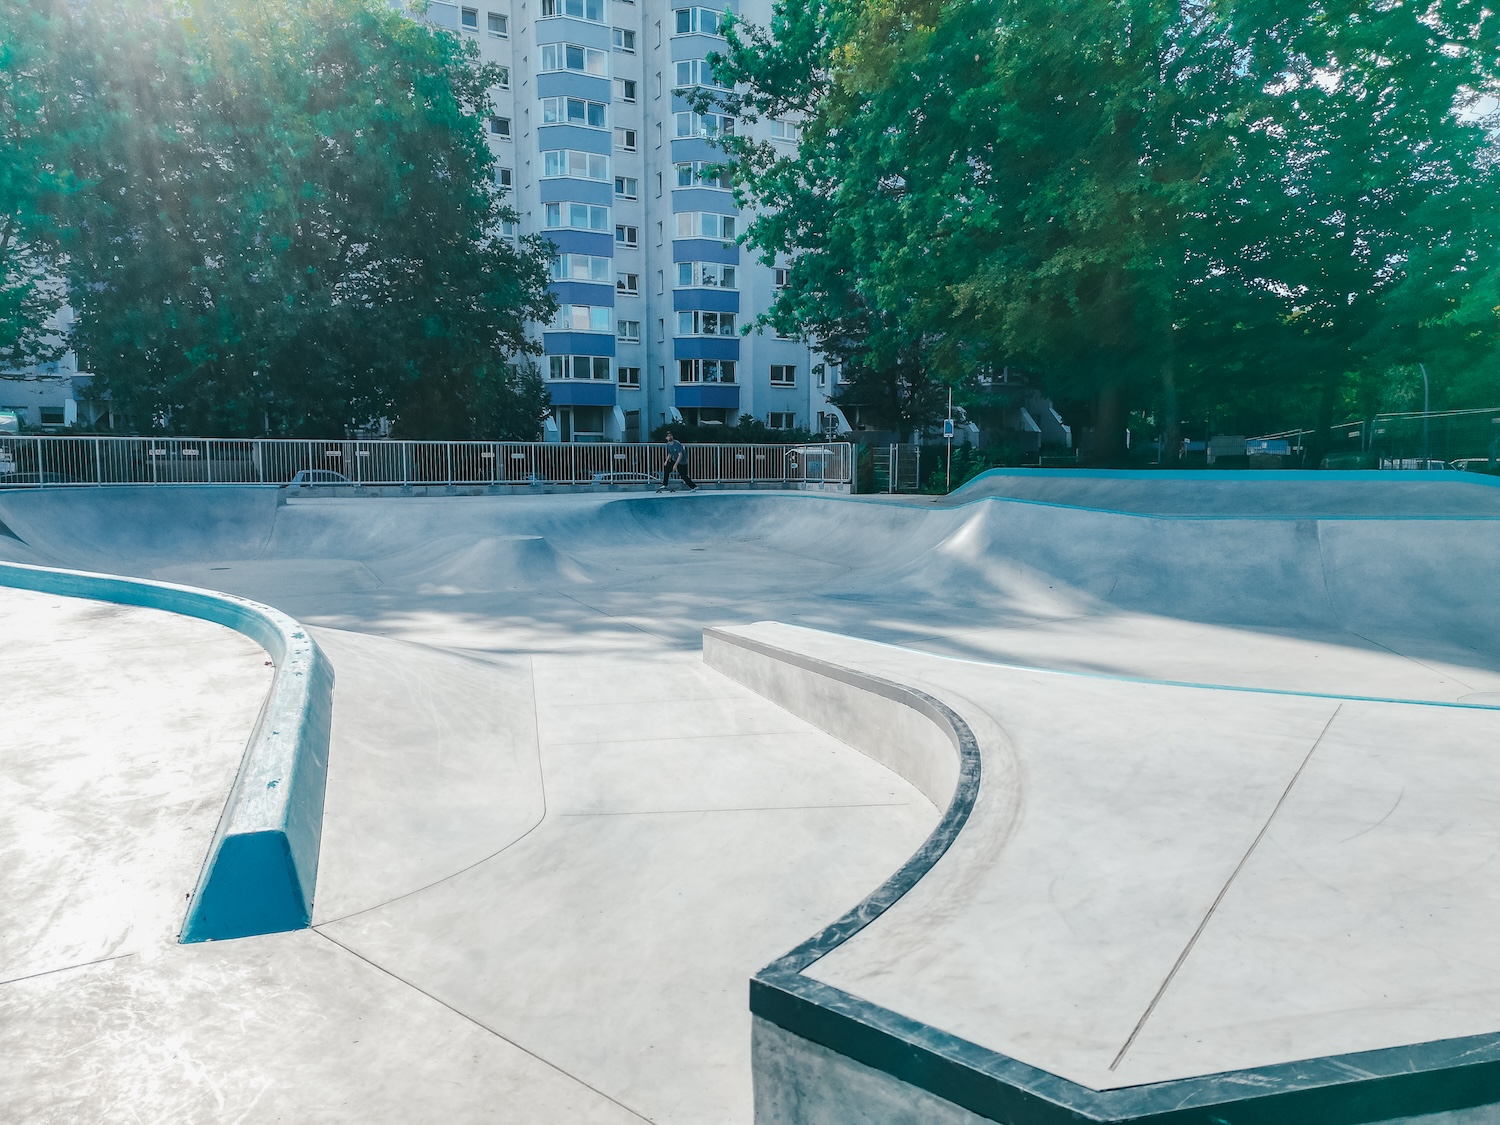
[(1072, 797)]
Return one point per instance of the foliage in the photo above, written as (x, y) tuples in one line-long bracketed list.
[(35, 124), (1245, 205), (288, 222)]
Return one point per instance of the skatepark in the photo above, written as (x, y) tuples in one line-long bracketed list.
[(1071, 796)]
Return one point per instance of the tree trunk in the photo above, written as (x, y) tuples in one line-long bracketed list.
[(1320, 438), (1171, 422), (1107, 450)]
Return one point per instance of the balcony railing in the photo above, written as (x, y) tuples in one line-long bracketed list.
[(79, 462)]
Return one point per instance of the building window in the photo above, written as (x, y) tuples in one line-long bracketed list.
[(504, 78), (626, 187), (592, 10), (624, 40), (628, 331), (699, 21), (582, 318), (625, 89), (504, 178), (52, 415), (838, 373), (581, 267), (702, 173), (705, 323), (783, 375), (499, 25), (627, 236), (569, 56), (781, 420), (575, 111), (705, 370), (578, 216), (625, 140), (709, 274), (578, 165), (578, 367), (468, 19), (500, 127), (629, 376), (822, 373), (628, 283), (705, 224), (697, 72), (780, 276), (785, 131), (703, 124)]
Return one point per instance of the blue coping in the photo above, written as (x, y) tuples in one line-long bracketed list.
[(262, 867), (1238, 475), (1439, 1076), (570, 189), (578, 137), (583, 293)]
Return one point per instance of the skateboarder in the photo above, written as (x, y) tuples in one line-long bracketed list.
[(676, 459)]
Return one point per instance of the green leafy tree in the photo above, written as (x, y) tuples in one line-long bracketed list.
[(34, 123), (1358, 229), (291, 223)]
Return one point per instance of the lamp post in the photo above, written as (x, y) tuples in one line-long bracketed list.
[(948, 433), (1426, 409)]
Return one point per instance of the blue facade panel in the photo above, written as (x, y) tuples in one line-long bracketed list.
[(583, 293), (579, 191), (570, 83), (714, 396), (705, 250), (582, 392), (706, 347), (575, 137), (564, 29), (709, 300), (578, 343), (696, 46), (597, 243), (703, 199), (696, 148)]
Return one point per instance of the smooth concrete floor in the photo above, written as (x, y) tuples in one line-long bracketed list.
[(557, 846)]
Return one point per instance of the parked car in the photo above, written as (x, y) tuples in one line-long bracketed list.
[(320, 478)]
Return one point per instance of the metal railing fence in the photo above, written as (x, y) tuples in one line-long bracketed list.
[(28, 461)]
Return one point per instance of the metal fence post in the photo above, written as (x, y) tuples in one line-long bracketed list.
[(98, 462)]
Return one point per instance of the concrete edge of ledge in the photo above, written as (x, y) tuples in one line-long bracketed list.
[(1387, 1085), (261, 869)]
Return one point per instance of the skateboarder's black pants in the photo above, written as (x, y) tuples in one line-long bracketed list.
[(666, 473)]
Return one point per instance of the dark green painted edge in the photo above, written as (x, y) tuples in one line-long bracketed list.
[(1351, 1089)]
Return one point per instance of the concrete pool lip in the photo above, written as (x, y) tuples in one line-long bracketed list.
[(798, 1016), (261, 869)]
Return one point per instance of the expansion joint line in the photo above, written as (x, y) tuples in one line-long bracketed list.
[(1203, 925)]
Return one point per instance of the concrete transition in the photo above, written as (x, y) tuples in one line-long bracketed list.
[(1073, 797)]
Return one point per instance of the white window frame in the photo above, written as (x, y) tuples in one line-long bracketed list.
[(581, 267), (553, 57), (628, 331), (556, 111), (785, 380), (623, 189), (706, 224), (463, 20), (626, 139), (501, 20), (628, 376), (708, 275), (570, 215), (627, 236), (697, 20), (558, 9), (574, 164), (583, 318), (594, 367), (706, 371), (628, 284), (624, 40), (700, 322)]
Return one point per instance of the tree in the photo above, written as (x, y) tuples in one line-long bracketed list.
[(1359, 225), (1242, 202), (291, 223), (34, 124)]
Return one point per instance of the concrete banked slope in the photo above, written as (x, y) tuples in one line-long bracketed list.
[(1225, 851)]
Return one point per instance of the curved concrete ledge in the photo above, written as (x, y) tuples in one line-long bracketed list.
[(262, 867), (824, 1056)]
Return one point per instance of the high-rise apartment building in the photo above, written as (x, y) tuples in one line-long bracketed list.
[(603, 156)]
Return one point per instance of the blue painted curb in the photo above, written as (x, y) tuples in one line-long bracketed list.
[(262, 867)]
